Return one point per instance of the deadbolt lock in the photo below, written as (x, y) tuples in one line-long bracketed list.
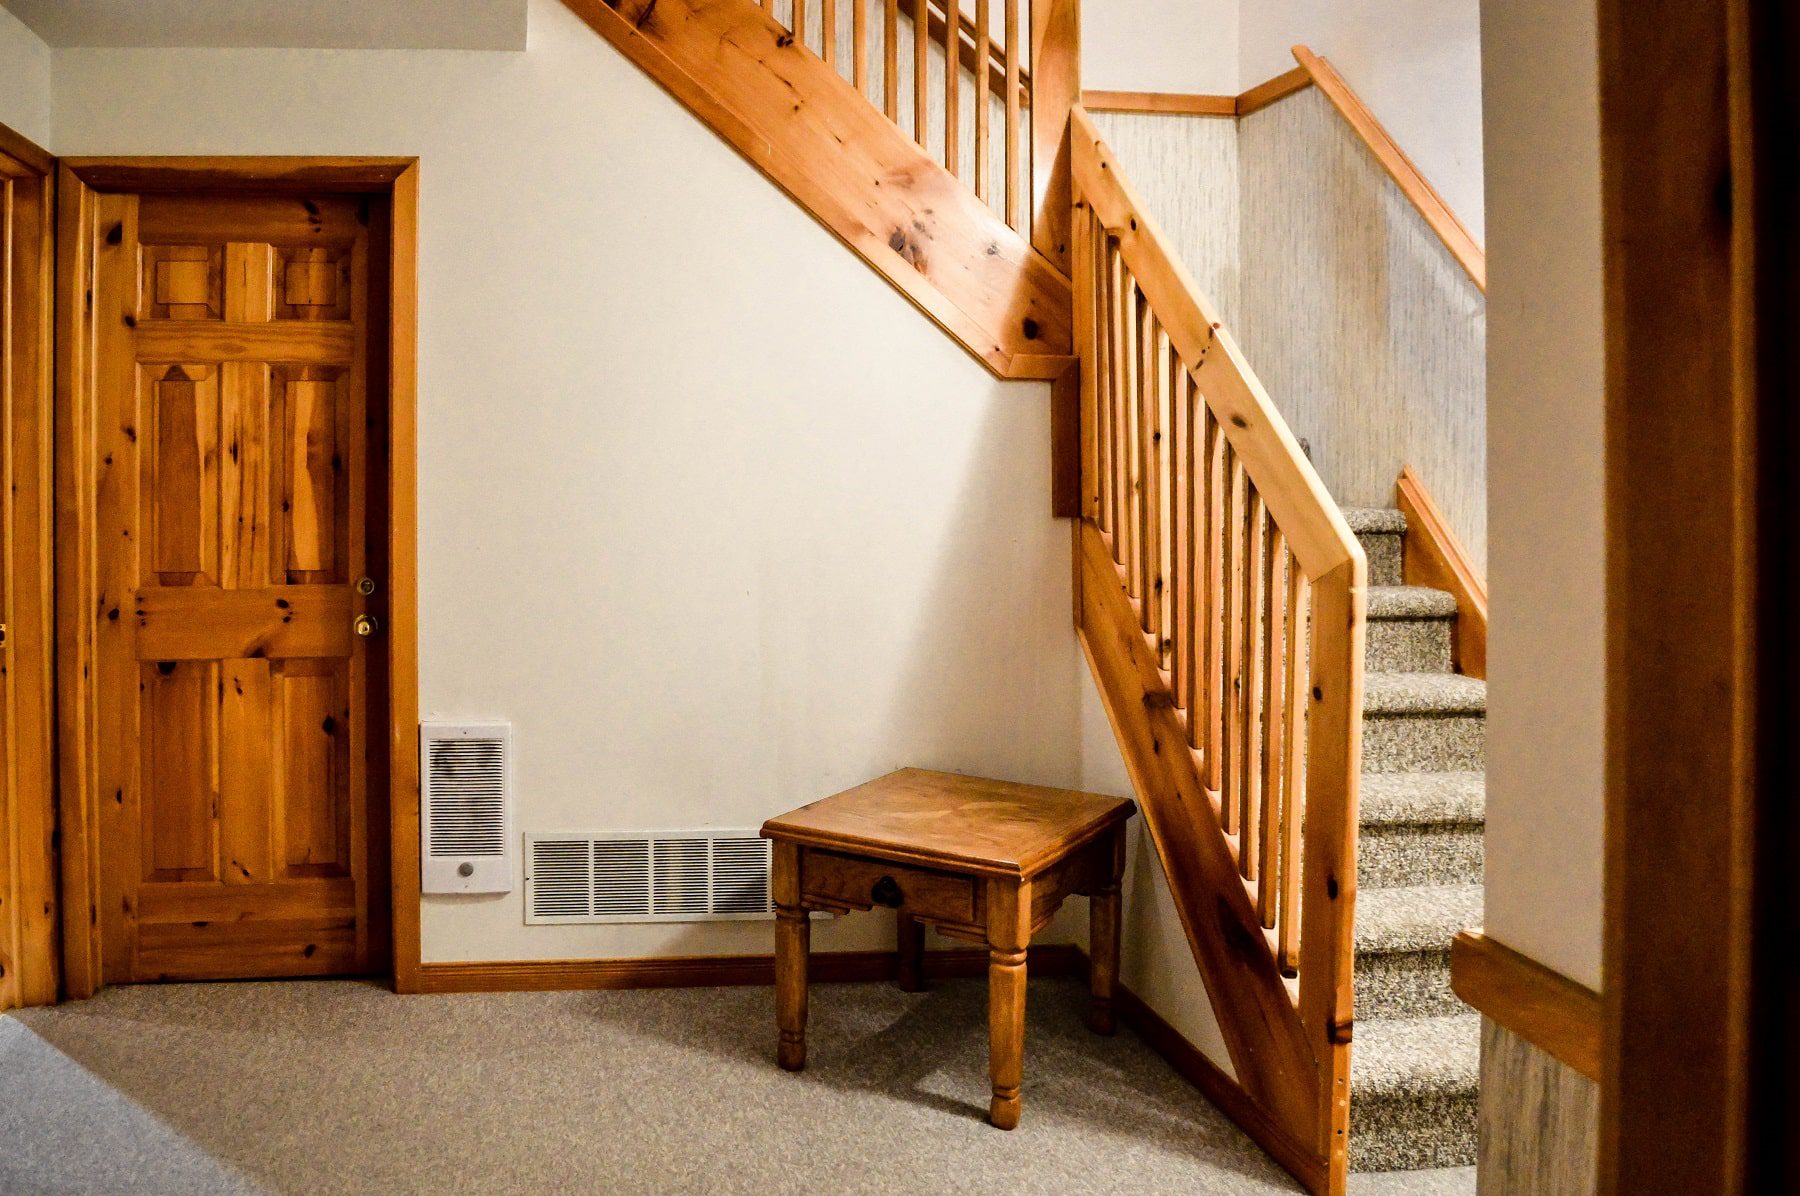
[(365, 586), (366, 625)]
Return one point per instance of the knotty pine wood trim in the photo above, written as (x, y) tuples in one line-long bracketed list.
[(712, 971), (1159, 102), (838, 156), (1545, 1008), (1699, 551), (394, 181), (1413, 185), (1431, 555), (29, 971), (1278, 88)]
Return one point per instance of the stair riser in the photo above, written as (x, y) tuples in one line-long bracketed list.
[(1383, 551), (1408, 646), (1404, 984), (1397, 856), (1410, 1135), (1424, 743)]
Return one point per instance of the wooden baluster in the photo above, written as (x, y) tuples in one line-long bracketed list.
[(981, 99), (921, 35), (1149, 475), (1132, 404), (1212, 588), (1287, 934), (828, 31), (890, 60), (1166, 368), (953, 87), (1104, 260), (1231, 761), (859, 41), (1015, 198), (1255, 671), (1181, 542), (1121, 374), (1275, 713), (799, 29)]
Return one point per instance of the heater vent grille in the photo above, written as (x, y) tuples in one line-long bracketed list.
[(466, 794), (655, 876)]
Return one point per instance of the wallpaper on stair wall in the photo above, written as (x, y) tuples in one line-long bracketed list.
[(1368, 335)]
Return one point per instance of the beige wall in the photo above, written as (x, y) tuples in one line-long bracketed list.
[(1154, 45), (1546, 695), (24, 80), (718, 520), (1416, 63)]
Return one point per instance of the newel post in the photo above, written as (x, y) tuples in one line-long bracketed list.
[(1055, 90)]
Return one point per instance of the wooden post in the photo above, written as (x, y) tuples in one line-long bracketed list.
[(1055, 90), (1104, 908), (793, 940), (1009, 934)]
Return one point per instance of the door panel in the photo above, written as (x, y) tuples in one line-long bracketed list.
[(230, 468)]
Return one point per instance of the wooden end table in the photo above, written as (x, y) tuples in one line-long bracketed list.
[(984, 861)]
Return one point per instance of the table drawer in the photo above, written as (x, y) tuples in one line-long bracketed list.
[(844, 880)]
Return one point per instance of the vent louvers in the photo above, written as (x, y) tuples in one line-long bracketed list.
[(658, 876), (466, 782)]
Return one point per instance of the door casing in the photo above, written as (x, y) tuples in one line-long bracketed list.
[(393, 184)]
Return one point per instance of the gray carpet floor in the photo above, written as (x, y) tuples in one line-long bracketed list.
[(344, 1087)]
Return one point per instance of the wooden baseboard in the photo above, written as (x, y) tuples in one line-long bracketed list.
[(1545, 1008), (1220, 1089), (715, 971), (1433, 556)]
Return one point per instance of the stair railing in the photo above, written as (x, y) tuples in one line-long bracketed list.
[(1222, 606)]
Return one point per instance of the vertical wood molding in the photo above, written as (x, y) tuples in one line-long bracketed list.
[(1682, 573), (1433, 556), (29, 968), (1055, 90)]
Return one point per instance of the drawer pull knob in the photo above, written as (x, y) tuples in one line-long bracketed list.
[(886, 892)]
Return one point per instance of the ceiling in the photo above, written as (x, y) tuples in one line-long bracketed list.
[(296, 24)]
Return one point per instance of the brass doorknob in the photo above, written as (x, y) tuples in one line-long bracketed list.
[(366, 625)]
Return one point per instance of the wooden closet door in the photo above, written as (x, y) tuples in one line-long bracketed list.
[(231, 465)]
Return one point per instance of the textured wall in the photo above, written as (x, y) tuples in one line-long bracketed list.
[(1540, 1120), (1186, 169), (1368, 335)]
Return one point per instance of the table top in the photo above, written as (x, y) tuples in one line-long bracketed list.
[(963, 824)]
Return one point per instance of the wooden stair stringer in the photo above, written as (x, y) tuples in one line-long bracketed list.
[(1270, 1049), (838, 156)]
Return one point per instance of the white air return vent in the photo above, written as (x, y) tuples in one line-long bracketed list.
[(650, 876), (466, 776)]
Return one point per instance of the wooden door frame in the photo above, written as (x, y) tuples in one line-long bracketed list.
[(396, 182), (29, 973), (1697, 131)]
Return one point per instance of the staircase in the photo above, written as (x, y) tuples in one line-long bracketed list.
[(1416, 1060)]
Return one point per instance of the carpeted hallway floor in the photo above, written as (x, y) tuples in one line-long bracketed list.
[(343, 1087)]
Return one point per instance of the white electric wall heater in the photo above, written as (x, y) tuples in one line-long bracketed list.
[(466, 833)]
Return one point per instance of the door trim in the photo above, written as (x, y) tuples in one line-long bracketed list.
[(396, 181), (28, 876)]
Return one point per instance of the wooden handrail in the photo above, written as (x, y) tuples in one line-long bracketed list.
[(1222, 607), (1412, 183)]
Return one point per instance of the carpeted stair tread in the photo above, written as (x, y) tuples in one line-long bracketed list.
[(1375, 521), (1422, 799), (1423, 693), (1417, 1057), (1410, 602), (1424, 918)]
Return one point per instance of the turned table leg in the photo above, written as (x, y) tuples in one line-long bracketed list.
[(1009, 933), (793, 940), (1103, 935), (909, 942)]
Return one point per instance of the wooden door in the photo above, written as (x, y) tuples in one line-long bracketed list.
[(231, 473)]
